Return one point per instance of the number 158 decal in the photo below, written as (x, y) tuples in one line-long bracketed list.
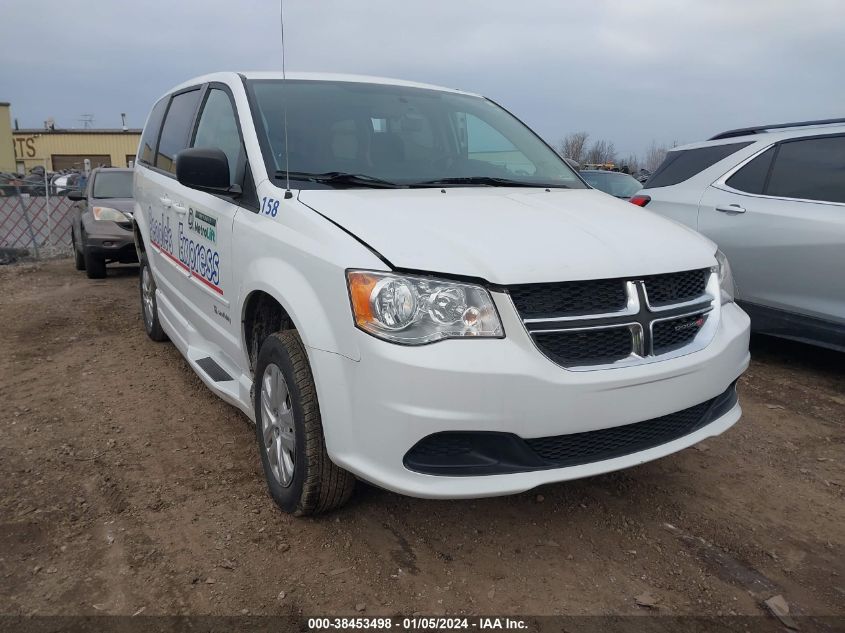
[(269, 206)]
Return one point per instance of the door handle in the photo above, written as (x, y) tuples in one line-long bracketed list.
[(167, 202), (731, 208), (179, 208)]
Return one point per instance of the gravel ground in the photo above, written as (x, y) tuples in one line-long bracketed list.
[(127, 487)]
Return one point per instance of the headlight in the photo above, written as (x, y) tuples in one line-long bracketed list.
[(726, 278), (414, 310), (107, 213)]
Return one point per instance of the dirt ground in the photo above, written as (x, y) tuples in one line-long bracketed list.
[(127, 487)]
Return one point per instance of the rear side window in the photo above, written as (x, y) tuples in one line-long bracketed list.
[(681, 165), (810, 169), (146, 153), (176, 131), (752, 177)]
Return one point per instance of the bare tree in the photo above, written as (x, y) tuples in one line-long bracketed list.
[(654, 156), (601, 152), (574, 146), (632, 162)]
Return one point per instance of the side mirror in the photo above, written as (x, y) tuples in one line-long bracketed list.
[(205, 169), (76, 194)]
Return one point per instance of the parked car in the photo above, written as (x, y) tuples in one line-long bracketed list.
[(102, 221), (11, 184), (773, 198), (642, 175), (33, 182), (403, 283), (63, 184), (615, 183)]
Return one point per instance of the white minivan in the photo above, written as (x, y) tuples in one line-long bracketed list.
[(403, 283)]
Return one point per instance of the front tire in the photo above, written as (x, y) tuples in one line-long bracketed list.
[(149, 304), (95, 265), (78, 258), (301, 478)]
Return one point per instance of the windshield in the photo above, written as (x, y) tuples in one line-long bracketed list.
[(113, 184), (397, 135), (614, 183)]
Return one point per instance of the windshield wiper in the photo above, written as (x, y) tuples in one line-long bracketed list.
[(490, 181), (339, 178)]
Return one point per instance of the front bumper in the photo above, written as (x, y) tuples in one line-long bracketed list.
[(115, 242), (113, 250), (376, 409)]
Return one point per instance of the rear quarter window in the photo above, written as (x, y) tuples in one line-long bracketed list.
[(146, 151), (681, 165), (752, 177), (176, 131)]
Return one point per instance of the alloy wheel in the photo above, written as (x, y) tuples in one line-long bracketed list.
[(277, 425)]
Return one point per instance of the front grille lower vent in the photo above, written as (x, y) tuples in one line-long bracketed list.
[(589, 324), (592, 446), (472, 453)]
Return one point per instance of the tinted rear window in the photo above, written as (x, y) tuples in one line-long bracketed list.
[(810, 169), (146, 152), (752, 177), (177, 129), (681, 165), (112, 184)]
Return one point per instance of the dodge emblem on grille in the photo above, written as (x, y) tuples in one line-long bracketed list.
[(680, 327)]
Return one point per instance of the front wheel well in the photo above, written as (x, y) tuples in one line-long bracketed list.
[(140, 247), (263, 316)]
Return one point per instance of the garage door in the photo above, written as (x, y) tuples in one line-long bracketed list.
[(76, 161)]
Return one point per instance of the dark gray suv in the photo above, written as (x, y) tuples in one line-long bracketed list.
[(102, 221)]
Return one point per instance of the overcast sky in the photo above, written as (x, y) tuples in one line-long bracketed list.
[(631, 71)]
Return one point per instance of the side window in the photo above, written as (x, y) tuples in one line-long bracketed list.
[(177, 129), (752, 177), (218, 127), (681, 165), (146, 153), (810, 169), (485, 143)]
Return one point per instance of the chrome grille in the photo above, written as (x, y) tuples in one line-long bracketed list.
[(673, 334), (675, 287), (537, 301), (605, 345), (616, 322)]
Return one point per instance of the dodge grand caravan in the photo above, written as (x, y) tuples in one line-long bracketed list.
[(404, 284)]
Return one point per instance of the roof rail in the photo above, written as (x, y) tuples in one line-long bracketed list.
[(744, 131)]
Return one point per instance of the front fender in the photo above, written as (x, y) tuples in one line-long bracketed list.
[(140, 230), (318, 304)]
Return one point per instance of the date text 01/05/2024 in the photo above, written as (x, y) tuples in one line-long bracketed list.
[(417, 623)]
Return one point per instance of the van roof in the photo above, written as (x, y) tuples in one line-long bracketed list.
[(305, 76)]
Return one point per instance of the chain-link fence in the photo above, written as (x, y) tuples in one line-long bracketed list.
[(35, 218)]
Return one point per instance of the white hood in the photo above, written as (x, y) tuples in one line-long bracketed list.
[(511, 235)]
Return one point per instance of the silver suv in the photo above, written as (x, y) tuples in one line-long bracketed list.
[(773, 198)]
